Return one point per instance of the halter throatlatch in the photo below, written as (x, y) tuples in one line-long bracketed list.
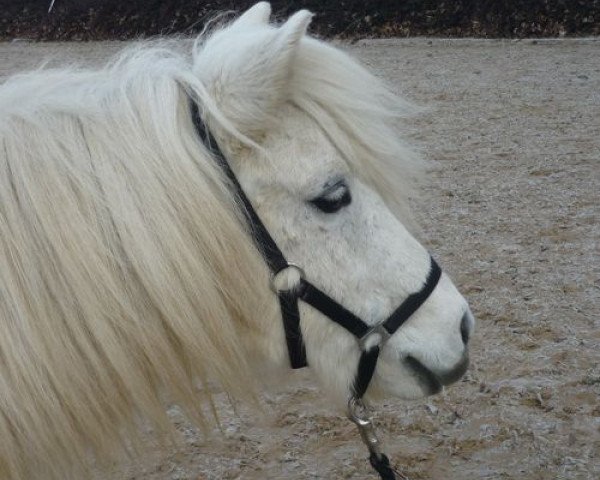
[(370, 338)]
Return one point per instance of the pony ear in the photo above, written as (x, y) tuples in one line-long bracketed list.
[(247, 67), (259, 14), (295, 28)]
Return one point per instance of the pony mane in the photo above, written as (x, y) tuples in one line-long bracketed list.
[(122, 249)]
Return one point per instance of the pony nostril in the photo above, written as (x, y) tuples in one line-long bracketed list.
[(465, 327)]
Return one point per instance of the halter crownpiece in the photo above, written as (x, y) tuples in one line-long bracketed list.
[(370, 338)]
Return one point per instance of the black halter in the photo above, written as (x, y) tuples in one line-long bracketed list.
[(370, 338)]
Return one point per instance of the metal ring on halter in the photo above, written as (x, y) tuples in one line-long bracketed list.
[(378, 333), (298, 268), (358, 413)]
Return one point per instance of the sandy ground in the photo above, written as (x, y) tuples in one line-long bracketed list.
[(513, 213)]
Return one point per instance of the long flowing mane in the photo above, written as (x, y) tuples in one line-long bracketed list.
[(127, 275)]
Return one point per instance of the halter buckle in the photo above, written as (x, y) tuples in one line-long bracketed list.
[(375, 336), (291, 265)]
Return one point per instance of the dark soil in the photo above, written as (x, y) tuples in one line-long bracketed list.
[(116, 19)]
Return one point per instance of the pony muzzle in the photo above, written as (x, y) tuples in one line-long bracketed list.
[(433, 381)]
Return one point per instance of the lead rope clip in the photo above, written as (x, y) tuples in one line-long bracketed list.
[(359, 414)]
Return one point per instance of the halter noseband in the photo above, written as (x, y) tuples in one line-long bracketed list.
[(370, 338)]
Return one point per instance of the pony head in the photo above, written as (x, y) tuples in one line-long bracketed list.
[(311, 136)]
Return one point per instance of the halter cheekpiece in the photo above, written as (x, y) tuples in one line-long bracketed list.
[(370, 338)]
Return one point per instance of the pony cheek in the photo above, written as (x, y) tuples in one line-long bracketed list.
[(331, 352)]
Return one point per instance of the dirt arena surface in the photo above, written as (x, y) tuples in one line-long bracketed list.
[(512, 211)]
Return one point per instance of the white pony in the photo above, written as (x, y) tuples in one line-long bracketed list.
[(128, 277)]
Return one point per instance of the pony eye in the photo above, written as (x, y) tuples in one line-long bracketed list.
[(334, 198)]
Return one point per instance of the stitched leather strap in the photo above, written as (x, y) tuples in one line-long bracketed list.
[(288, 300), (271, 253), (332, 309), (414, 301)]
